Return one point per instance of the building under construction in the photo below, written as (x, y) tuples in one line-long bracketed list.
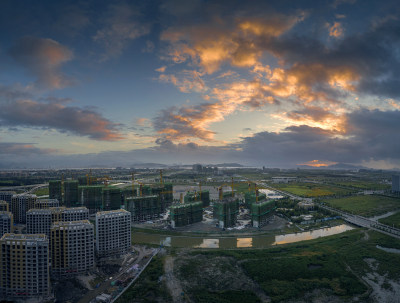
[(261, 212), (6, 196), (4, 206), (46, 203), (203, 196), (72, 247), (226, 211), (6, 222), (91, 197), (112, 198), (144, 208), (55, 190), (71, 193), (186, 213), (24, 270), (252, 197), (20, 204)]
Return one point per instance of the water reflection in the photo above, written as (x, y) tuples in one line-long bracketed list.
[(244, 242), (261, 241), (309, 235), (209, 243)]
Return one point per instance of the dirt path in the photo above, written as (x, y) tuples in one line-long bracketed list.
[(173, 284)]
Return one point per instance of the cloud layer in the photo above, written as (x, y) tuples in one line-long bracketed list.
[(43, 58)]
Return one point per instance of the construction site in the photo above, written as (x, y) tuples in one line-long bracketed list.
[(186, 213)]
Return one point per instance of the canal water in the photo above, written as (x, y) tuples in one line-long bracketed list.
[(261, 241)]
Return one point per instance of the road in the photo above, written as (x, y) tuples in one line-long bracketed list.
[(92, 294)]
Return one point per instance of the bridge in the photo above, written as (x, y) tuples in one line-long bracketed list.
[(353, 219)]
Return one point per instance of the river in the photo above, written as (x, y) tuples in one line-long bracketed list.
[(256, 241)]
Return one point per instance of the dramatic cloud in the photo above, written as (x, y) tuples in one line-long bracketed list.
[(232, 40), (82, 122), (121, 25), (372, 136), (43, 58), (187, 81)]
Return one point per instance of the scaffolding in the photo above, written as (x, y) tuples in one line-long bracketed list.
[(261, 212), (112, 198), (203, 196), (226, 211), (71, 195), (185, 214), (91, 197), (144, 208), (250, 198), (55, 190)]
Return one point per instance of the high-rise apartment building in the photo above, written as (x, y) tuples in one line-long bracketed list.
[(396, 183), (24, 270), (4, 206), (6, 196), (72, 247), (113, 232), (39, 221), (46, 203), (71, 193), (55, 191), (20, 204), (6, 223)]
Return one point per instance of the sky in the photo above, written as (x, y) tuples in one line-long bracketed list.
[(263, 83)]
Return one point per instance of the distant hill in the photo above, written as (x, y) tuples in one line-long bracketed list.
[(227, 165), (148, 165), (338, 166)]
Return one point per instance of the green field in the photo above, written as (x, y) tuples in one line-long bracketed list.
[(42, 191), (368, 205), (148, 287), (393, 220), (364, 185), (312, 190)]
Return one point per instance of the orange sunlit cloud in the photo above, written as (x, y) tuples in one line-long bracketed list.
[(335, 30), (318, 163)]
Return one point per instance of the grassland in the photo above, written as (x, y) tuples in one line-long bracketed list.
[(149, 287), (368, 205), (393, 220), (332, 266), (44, 191), (364, 185), (312, 190)]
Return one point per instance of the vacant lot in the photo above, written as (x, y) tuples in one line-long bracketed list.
[(342, 268), (368, 205), (393, 220), (312, 190)]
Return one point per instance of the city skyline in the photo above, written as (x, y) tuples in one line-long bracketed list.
[(280, 84)]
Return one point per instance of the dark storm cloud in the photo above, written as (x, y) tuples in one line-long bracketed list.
[(43, 58), (82, 122), (373, 55), (371, 135)]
